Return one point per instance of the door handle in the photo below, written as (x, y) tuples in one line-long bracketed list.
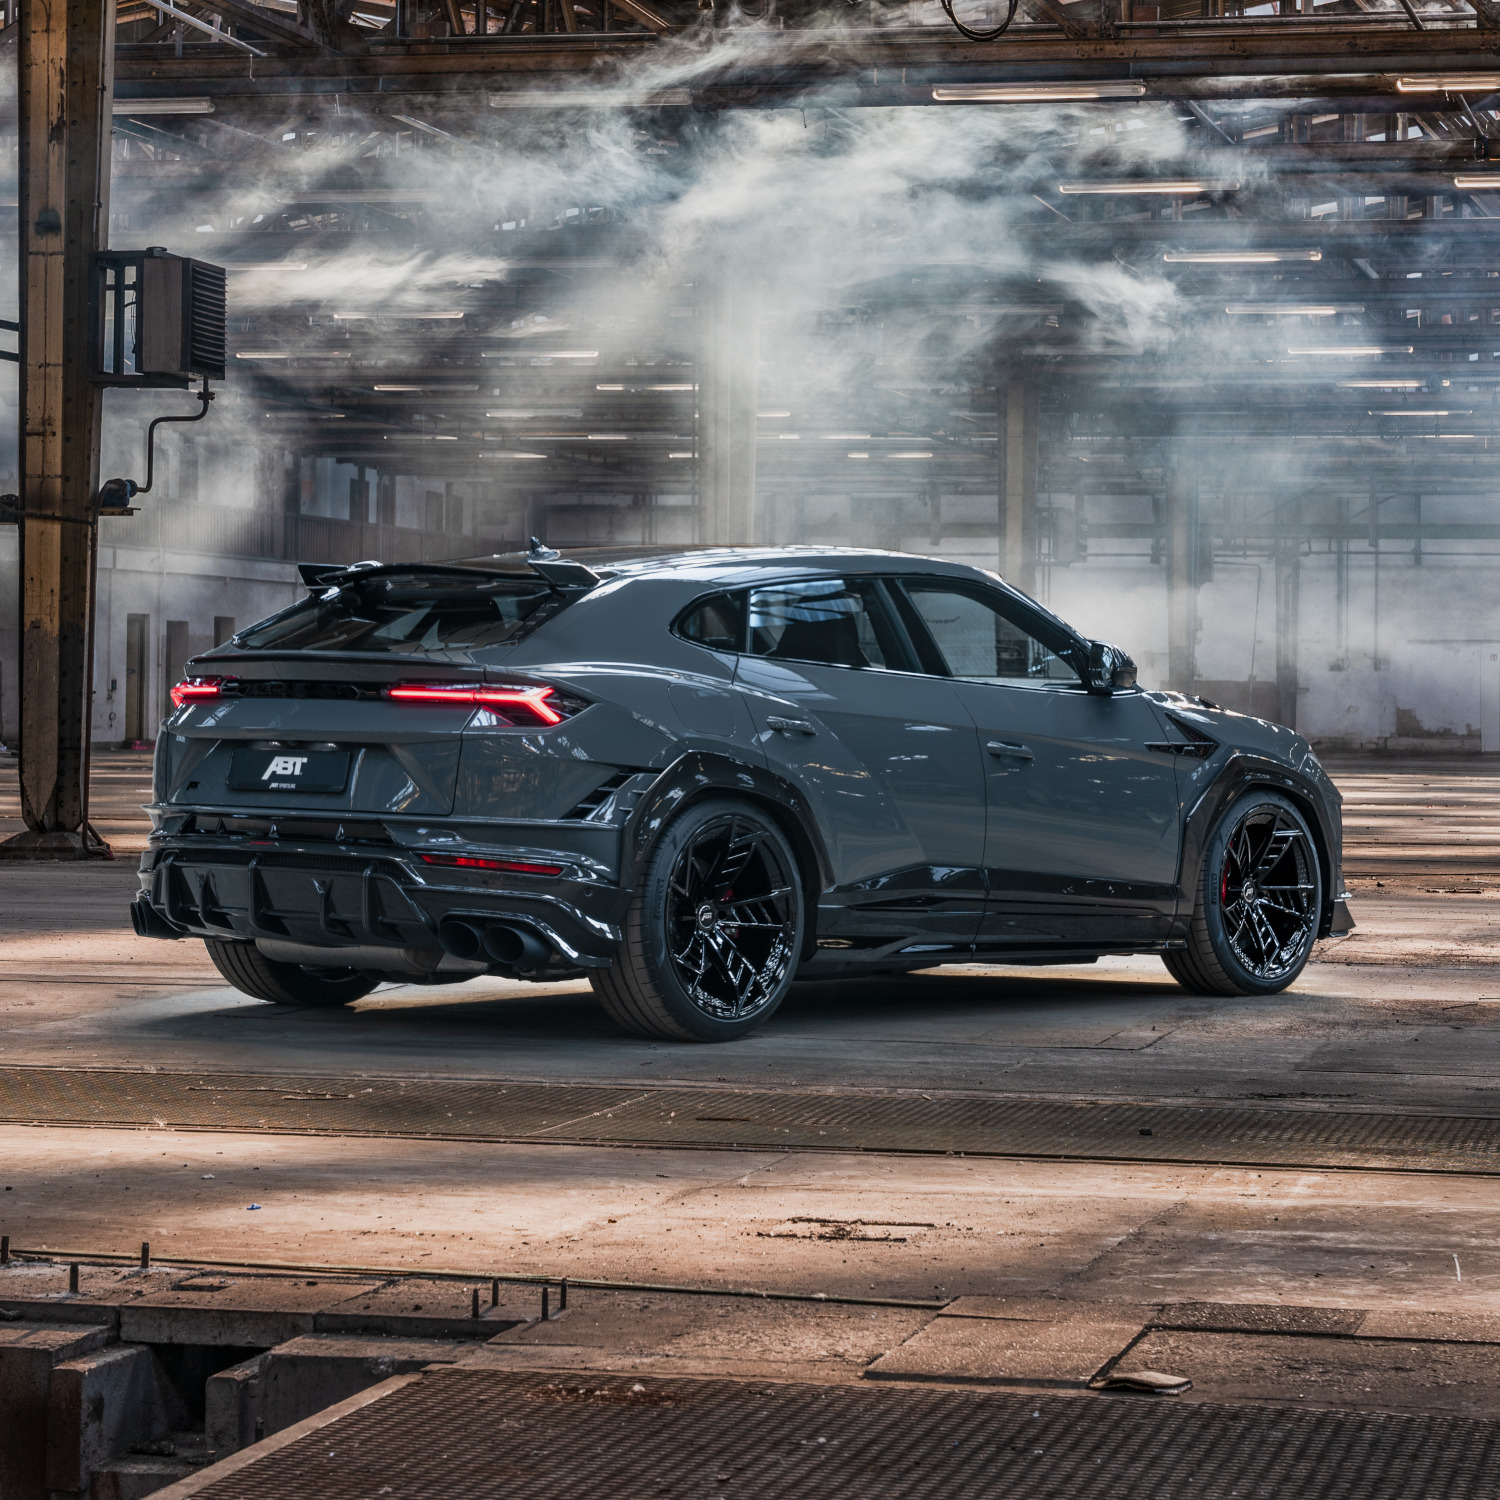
[(789, 726), (1014, 752)]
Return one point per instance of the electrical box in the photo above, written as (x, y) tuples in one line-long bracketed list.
[(158, 319)]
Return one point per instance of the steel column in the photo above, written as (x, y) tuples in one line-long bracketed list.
[(727, 372), (1182, 589), (1288, 623), (66, 91), (1018, 460)]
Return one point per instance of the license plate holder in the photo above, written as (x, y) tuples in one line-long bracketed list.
[(321, 771)]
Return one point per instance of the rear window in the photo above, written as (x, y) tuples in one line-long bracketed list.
[(409, 614)]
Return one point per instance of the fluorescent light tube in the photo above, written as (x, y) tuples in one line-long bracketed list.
[(386, 312), (1349, 350), (1237, 257), (1177, 188), (162, 107), (1021, 93), (1477, 181), (1450, 83), (1302, 309)]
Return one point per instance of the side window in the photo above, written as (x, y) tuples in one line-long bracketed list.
[(840, 622), (717, 622), (978, 642)]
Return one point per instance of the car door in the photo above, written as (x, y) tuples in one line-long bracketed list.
[(887, 755), (1082, 816)]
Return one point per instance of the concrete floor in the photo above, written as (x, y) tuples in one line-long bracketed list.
[(1403, 1016)]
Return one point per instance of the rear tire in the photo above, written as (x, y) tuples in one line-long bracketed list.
[(714, 931), (262, 978), (1259, 900)]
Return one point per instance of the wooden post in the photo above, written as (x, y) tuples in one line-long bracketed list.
[(66, 98)]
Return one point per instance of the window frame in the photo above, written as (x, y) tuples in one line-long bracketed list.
[(1014, 609)]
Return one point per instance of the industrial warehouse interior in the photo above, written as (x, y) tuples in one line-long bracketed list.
[(1004, 1167)]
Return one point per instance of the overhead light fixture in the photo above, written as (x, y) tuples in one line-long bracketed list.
[(548, 354), (1237, 257), (773, 414), (1022, 93), (1301, 309), (1382, 385), (163, 107), (609, 437), (859, 455), (512, 453), (1349, 350), (908, 455), (1449, 83), (262, 354), (845, 437), (1477, 181), (679, 455), (1176, 188), (1409, 413), (397, 388), (386, 312)]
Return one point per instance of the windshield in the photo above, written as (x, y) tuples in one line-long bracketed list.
[(409, 614)]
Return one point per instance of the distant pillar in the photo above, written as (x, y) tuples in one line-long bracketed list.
[(1288, 617), (1018, 458), (728, 370), (1182, 590)]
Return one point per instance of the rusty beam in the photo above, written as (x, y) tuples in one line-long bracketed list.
[(66, 88)]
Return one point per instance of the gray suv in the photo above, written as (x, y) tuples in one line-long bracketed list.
[(694, 776)]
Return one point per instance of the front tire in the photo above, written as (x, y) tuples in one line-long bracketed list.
[(714, 931), (262, 978), (1260, 897)]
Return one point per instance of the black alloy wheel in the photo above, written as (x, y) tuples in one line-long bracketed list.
[(713, 935), (1259, 902)]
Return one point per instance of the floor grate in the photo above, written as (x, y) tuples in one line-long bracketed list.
[(747, 1119), (482, 1433)]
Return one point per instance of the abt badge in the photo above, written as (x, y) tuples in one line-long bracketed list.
[(316, 771)]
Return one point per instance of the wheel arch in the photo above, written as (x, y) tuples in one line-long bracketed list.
[(697, 776), (1246, 773)]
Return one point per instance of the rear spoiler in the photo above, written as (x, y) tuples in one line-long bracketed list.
[(546, 562), (556, 569)]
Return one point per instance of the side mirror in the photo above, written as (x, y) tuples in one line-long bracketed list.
[(1109, 669)]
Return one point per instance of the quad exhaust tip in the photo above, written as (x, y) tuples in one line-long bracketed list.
[(496, 941)]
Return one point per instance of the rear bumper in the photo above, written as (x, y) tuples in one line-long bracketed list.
[(338, 896)]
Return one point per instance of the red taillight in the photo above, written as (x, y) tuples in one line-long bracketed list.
[(528, 700), (472, 862), (198, 690)]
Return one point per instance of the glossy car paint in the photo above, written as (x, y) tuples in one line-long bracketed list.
[(918, 843)]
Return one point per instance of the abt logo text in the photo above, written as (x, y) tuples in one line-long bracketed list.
[(284, 765)]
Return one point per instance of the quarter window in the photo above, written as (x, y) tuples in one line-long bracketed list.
[(839, 622), (717, 622), (980, 643)]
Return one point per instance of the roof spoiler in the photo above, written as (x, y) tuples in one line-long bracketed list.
[(556, 569), (319, 575)]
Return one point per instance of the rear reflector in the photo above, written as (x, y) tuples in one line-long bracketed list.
[(198, 690), (526, 701), (471, 862)]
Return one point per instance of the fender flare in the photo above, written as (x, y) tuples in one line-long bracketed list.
[(1245, 772), (701, 774)]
